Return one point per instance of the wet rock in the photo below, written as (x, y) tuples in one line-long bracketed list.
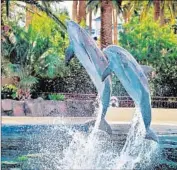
[(39, 108), (54, 108), (34, 108), (18, 108), (6, 105), (80, 108), (40, 99)]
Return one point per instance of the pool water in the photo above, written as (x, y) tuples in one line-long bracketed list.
[(53, 147)]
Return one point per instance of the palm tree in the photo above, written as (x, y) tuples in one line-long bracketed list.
[(82, 12), (156, 9), (114, 13), (79, 11), (106, 23), (92, 7), (90, 20), (74, 10), (171, 6), (106, 19)]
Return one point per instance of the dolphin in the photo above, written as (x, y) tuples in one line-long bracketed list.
[(94, 61), (132, 77)]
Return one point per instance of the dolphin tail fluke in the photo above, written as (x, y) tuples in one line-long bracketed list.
[(104, 126), (150, 135)]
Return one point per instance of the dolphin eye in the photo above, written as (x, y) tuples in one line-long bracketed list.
[(125, 65), (141, 74)]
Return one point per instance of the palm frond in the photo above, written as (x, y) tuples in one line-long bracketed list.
[(28, 81)]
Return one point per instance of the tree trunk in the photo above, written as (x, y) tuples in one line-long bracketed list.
[(106, 23), (74, 10), (162, 17), (156, 9), (115, 25), (82, 11), (90, 21)]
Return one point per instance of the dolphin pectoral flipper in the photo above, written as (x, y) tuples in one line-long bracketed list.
[(103, 126), (150, 135), (106, 72), (69, 54)]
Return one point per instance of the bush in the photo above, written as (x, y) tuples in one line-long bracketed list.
[(154, 45), (9, 92), (59, 97)]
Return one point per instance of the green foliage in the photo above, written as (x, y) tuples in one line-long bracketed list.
[(59, 97), (154, 45), (35, 52), (9, 92)]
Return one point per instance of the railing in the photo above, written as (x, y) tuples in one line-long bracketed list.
[(123, 101), (126, 101), (157, 102)]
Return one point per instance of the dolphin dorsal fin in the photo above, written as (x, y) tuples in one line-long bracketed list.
[(147, 69)]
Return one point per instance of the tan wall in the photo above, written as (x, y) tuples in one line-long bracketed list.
[(158, 115)]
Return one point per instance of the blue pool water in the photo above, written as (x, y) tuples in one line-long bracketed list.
[(44, 146)]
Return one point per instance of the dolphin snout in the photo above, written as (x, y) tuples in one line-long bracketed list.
[(71, 24), (67, 22)]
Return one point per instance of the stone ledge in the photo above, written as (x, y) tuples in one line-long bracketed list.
[(43, 108)]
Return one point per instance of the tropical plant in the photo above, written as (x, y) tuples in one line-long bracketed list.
[(35, 52)]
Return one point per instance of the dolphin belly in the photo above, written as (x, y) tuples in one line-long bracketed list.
[(134, 81), (94, 61)]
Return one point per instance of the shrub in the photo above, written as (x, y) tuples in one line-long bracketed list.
[(154, 45), (9, 92), (58, 97)]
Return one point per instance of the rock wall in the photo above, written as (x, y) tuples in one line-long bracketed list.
[(40, 108)]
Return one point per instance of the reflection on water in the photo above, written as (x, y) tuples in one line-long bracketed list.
[(56, 147)]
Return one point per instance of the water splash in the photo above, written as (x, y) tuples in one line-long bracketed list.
[(66, 148), (98, 113), (97, 151), (137, 151)]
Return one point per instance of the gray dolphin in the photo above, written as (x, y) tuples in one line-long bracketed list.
[(132, 77), (94, 61)]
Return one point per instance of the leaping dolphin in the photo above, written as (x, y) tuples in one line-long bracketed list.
[(132, 77), (94, 61)]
